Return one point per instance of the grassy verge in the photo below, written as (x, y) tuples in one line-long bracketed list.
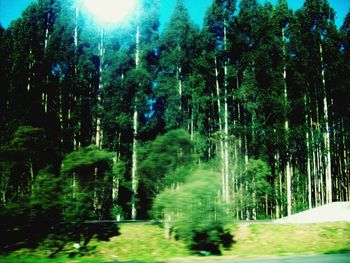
[(270, 239), (145, 243)]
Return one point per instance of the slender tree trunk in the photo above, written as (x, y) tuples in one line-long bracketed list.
[(253, 194), (115, 188), (314, 168), (237, 148), (30, 67), (346, 170), (76, 27), (308, 161), (226, 159), (222, 152), (309, 185), (254, 205), (281, 180), (179, 84), (275, 187), (98, 136), (96, 204), (212, 129), (192, 124), (47, 31), (289, 189), (44, 96), (32, 176), (75, 141), (98, 131), (134, 179), (277, 194), (167, 226), (286, 128), (326, 135)]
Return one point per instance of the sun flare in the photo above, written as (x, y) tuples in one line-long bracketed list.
[(110, 11)]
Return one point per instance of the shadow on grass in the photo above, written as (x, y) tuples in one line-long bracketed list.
[(343, 250)]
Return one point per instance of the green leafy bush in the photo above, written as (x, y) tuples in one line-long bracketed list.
[(193, 211)]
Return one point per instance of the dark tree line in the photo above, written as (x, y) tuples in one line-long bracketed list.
[(262, 92)]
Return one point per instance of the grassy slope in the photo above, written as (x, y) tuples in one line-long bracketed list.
[(270, 239), (145, 243)]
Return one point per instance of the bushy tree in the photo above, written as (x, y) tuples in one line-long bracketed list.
[(164, 162), (87, 174), (257, 174), (194, 212)]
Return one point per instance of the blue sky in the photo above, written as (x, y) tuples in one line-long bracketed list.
[(12, 9)]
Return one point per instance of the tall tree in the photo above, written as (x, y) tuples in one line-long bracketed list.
[(177, 52), (282, 16), (316, 23), (216, 30)]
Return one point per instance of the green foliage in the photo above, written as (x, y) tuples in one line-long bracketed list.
[(27, 138), (179, 46), (88, 174), (46, 194), (86, 157), (163, 156), (36, 213), (195, 212), (258, 172), (256, 187)]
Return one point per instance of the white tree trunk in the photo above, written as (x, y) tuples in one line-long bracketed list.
[(192, 124), (98, 136), (286, 128), (134, 179), (43, 94), (226, 159), (326, 135), (222, 152), (289, 189), (115, 189), (47, 31), (75, 141), (309, 185), (277, 194), (308, 161), (30, 66), (167, 225), (281, 194), (179, 81), (76, 28)]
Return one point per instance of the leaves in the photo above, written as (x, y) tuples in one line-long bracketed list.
[(90, 156), (163, 161), (194, 210)]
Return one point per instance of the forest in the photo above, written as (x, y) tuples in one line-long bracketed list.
[(246, 117)]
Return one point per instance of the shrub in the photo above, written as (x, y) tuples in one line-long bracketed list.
[(195, 213)]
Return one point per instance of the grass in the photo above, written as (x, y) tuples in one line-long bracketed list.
[(291, 239), (145, 243)]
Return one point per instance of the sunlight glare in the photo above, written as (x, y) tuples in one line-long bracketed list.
[(110, 11)]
